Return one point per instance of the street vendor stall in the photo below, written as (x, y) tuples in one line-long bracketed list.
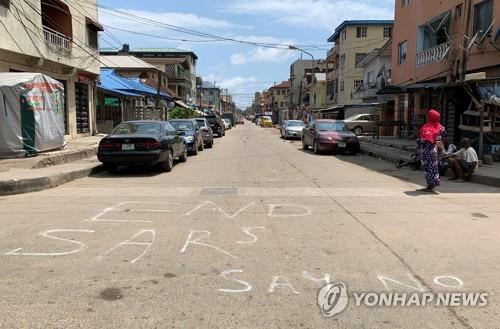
[(31, 114)]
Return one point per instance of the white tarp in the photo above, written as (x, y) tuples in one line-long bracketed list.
[(31, 114)]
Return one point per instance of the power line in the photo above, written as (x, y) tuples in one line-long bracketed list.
[(151, 22)]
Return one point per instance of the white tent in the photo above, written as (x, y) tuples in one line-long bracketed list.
[(31, 114)]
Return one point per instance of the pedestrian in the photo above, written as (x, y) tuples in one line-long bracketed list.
[(430, 134), (464, 162)]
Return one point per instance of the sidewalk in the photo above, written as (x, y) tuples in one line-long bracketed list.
[(393, 149), (50, 169)]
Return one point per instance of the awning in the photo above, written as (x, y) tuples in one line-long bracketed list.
[(428, 85), (182, 104), (112, 81), (392, 90), (96, 25), (116, 92)]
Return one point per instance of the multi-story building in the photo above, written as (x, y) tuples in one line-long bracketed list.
[(316, 93), (209, 96), (353, 40), (300, 77), (279, 101), (179, 65), (257, 103), (446, 55), (60, 39)]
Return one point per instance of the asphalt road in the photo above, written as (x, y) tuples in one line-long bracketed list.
[(244, 236)]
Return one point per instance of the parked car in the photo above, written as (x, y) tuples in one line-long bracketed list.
[(142, 142), (292, 129), (188, 128), (240, 121), (230, 116), (266, 122), (216, 124), (227, 123), (361, 124), (329, 135), (206, 132)]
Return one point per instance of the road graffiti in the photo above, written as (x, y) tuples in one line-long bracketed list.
[(132, 242)]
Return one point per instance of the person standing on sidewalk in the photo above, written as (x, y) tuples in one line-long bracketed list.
[(431, 134)]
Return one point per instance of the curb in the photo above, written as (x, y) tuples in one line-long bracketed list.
[(69, 157), (28, 185), (389, 156)]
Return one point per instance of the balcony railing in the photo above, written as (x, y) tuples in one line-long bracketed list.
[(56, 38), (434, 54)]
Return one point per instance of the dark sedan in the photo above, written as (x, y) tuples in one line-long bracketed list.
[(142, 142), (188, 128), (206, 132), (329, 135)]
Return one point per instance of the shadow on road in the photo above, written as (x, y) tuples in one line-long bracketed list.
[(407, 175)]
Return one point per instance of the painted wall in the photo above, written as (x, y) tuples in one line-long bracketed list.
[(416, 14)]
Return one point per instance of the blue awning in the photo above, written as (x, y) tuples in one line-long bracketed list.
[(117, 92), (112, 81)]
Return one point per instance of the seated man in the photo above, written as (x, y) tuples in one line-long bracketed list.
[(464, 162)]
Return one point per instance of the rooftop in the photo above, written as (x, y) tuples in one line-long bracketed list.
[(169, 51), (125, 62), (345, 24)]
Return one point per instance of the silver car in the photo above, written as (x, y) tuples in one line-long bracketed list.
[(361, 123), (292, 129)]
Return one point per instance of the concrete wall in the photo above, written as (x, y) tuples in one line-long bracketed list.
[(349, 48), (24, 48), (416, 14)]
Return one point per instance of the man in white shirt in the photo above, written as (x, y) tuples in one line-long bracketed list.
[(464, 162)]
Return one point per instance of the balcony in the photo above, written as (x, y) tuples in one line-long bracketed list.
[(56, 38), (434, 54)]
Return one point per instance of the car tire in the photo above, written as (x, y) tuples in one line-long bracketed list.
[(184, 156), (358, 131), (211, 144), (111, 168), (305, 147), (168, 164), (316, 148), (195, 151)]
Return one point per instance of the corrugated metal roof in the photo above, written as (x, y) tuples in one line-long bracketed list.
[(125, 62)]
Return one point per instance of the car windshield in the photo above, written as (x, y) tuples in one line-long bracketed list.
[(331, 126), (183, 125), (131, 128), (211, 119), (201, 123), (295, 124)]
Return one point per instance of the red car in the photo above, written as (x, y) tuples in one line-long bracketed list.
[(329, 136)]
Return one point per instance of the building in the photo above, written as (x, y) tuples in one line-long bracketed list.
[(316, 93), (300, 77), (179, 65), (446, 55), (280, 101), (59, 39), (209, 96), (353, 40)]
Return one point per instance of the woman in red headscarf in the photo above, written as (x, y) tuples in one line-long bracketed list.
[(430, 134)]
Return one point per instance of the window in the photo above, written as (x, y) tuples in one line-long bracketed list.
[(483, 15), (281, 104), (93, 29), (371, 77), (387, 32), (342, 85), (344, 35), (357, 83), (402, 51), (405, 3), (361, 32), (359, 57), (342, 61), (458, 10), (5, 3)]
